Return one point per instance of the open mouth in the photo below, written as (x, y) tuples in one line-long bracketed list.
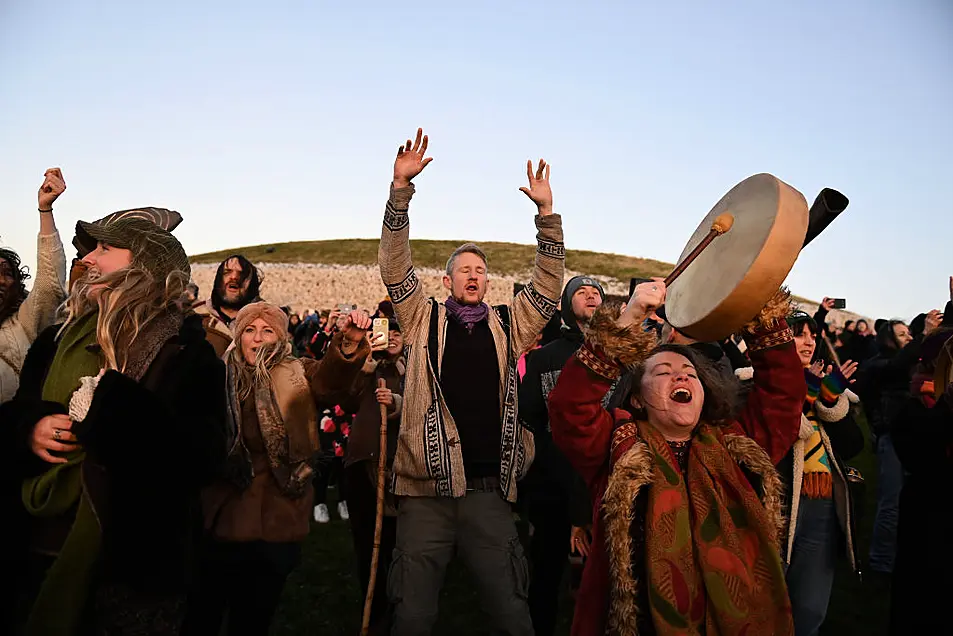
[(681, 395), (472, 288)]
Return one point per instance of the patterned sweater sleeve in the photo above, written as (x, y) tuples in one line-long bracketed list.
[(38, 311), (397, 267), (536, 303)]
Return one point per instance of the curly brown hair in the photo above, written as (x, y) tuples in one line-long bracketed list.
[(720, 395), (21, 274)]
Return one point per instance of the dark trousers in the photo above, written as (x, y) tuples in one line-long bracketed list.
[(242, 581), (329, 471), (548, 555), (480, 527), (810, 575), (883, 541), (362, 505)]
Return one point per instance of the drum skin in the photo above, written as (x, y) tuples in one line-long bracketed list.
[(729, 283)]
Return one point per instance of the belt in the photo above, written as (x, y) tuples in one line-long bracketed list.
[(483, 484)]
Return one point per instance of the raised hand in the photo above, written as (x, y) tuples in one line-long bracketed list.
[(817, 369), (410, 160), (53, 186), (933, 321), (827, 303), (848, 368), (539, 191), (646, 298), (356, 325)]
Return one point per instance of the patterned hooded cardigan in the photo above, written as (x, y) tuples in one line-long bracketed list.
[(429, 459)]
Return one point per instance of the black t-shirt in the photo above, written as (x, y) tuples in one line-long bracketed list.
[(470, 381)]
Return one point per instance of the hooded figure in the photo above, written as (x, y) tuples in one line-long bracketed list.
[(556, 496)]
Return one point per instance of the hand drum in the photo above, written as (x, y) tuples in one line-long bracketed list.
[(733, 278)]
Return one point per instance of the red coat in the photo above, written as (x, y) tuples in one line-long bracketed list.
[(582, 429)]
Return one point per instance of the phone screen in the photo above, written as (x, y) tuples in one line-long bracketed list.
[(380, 327), (840, 303)]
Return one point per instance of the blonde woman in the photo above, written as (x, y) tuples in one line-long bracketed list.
[(113, 430), (257, 511)]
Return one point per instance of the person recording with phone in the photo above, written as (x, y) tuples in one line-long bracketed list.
[(386, 363)]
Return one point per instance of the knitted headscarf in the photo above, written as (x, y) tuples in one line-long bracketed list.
[(271, 314)]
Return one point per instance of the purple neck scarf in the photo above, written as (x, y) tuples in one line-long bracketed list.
[(467, 315)]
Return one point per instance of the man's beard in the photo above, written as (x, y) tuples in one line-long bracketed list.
[(244, 298)]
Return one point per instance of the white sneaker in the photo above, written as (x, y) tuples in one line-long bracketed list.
[(321, 513), (342, 511)]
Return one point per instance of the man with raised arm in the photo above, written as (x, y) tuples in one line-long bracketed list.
[(461, 448)]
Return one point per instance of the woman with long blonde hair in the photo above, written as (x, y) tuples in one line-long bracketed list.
[(257, 511), (118, 421)]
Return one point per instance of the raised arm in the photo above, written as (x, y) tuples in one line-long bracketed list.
[(38, 311), (536, 303), (771, 414), (582, 427), (333, 379), (394, 257)]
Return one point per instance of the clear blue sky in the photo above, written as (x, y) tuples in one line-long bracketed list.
[(278, 121)]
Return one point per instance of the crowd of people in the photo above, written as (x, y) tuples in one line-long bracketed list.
[(165, 454)]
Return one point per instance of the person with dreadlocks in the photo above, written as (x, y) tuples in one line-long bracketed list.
[(237, 283), (257, 512), (118, 421), (687, 502), (23, 316)]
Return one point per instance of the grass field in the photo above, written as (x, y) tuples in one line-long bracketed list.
[(322, 596)]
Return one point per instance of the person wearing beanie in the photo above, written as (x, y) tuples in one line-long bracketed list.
[(820, 506), (118, 423), (461, 449), (557, 504), (257, 510), (361, 465), (24, 315), (237, 283)]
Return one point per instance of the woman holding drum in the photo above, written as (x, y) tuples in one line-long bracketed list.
[(676, 482)]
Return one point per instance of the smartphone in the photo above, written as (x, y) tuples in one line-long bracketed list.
[(840, 303), (344, 308), (636, 281), (380, 327)]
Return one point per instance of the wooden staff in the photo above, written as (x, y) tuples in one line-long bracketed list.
[(379, 519)]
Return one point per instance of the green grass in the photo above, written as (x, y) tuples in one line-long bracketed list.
[(322, 595)]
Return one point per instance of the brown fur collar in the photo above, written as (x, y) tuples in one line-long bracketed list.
[(777, 308), (626, 345), (631, 473)]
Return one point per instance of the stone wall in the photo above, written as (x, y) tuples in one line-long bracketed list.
[(315, 286)]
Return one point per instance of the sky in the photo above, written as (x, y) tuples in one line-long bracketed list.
[(269, 122)]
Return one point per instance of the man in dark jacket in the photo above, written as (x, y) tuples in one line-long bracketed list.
[(556, 499)]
